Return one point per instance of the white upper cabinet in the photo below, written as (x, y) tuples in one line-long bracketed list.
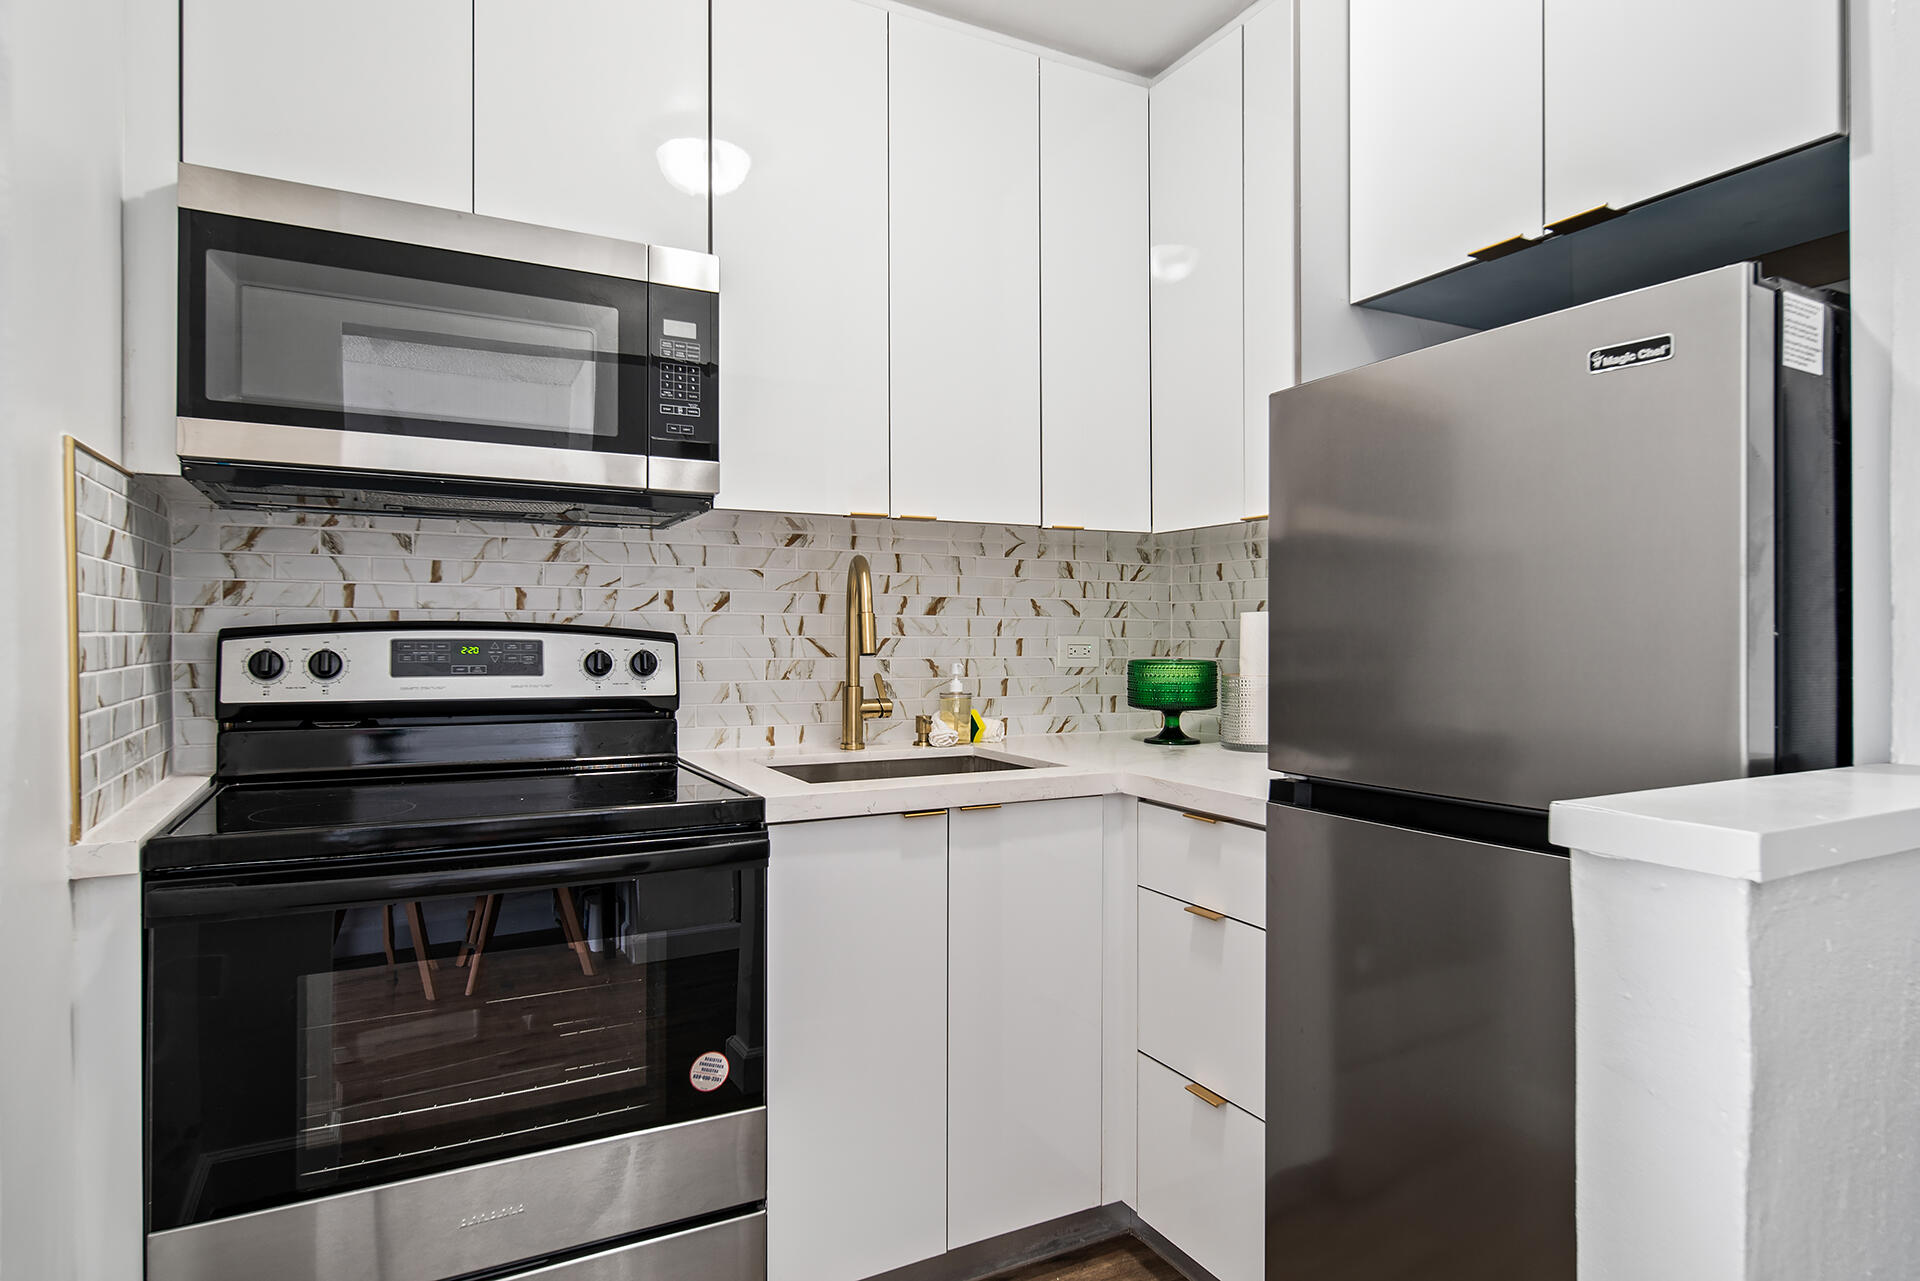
[(1654, 96), (1199, 415), (1444, 120), (1023, 1015), (800, 86), (358, 95), (1096, 435), (592, 116), (1272, 287), (965, 286)]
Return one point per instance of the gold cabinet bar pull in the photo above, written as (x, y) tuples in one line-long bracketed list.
[(1248, 520), (923, 814), (869, 516), (1205, 1095), (1581, 221), (970, 808), (1199, 818), (1500, 248), (904, 516), (1207, 912), (1069, 527)]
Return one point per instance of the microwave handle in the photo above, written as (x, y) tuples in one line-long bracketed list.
[(234, 898)]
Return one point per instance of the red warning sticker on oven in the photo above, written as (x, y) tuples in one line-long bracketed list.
[(709, 1071)]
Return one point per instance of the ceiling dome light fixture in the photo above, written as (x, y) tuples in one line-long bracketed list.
[(684, 162)]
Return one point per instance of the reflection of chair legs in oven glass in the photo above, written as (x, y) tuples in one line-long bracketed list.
[(416, 926), (484, 916)]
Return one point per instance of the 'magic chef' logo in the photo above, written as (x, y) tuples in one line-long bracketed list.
[(1626, 355)]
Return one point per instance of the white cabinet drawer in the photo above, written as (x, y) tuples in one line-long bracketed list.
[(1202, 1175), (1210, 862), (1203, 997)]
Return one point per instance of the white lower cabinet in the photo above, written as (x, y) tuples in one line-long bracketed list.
[(1023, 1040), (1203, 997), (856, 1046), (1202, 1174)]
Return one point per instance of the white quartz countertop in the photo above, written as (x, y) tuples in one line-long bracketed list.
[(1207, 778), (113, 848), (1753, 829)]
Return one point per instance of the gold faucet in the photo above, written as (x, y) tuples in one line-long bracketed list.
[(855, 708)]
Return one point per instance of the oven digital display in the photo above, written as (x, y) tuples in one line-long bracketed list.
[(484, 657)]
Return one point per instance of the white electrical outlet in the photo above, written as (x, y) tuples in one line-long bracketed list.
[(1078, 650)]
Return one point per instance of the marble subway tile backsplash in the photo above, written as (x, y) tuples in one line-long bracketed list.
[(122, 587), (756, 598)]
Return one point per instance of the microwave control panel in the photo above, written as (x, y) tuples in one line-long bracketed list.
[(683, 327)]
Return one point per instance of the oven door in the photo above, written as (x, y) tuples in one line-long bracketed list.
[(516, 1058), (363, 351)]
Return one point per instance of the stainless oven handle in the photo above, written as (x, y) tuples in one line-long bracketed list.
[(226, 898)]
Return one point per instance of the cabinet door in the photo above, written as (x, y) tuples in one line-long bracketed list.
[(1096, 405), (1202, 1174), (1660, 96), (1271, 285), (1199, 437), (1444, 118), (856, 1046), (965, 229), (1023, 996), (359, 95), (573, 105), (801, 86)]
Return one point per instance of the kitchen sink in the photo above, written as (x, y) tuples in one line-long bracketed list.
[(854, 771)]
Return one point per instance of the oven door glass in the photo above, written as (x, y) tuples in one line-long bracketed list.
[(296, 327), (296, 1053)]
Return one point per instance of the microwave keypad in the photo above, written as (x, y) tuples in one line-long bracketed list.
[(679, 397)]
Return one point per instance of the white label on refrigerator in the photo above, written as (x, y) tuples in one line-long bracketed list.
[(1803, 334)]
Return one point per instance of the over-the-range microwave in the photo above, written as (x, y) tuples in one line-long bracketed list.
[(351, 353)]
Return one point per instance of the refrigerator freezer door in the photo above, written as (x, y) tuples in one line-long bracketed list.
[(1419, 1055), (1517, 567)]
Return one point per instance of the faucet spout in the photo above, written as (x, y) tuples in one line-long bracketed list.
[(862, 639)]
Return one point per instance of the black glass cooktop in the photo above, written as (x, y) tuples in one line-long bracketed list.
[(281, 821)]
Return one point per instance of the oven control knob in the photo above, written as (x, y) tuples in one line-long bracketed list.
[(265, 665), (598, 663), (325, 664), (644, 664)]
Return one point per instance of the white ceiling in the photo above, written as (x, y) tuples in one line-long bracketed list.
[(1141, 36)]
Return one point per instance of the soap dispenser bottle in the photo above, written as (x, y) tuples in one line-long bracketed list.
[(956, 707)]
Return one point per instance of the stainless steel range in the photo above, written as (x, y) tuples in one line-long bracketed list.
[(457, 971)]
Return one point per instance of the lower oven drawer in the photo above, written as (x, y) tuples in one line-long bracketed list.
[(735, 1250), (484, 1216)]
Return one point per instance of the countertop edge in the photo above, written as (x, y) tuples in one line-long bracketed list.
[(113, 847), (1753, 829)]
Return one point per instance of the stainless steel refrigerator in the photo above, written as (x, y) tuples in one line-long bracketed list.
[(1598, 551)]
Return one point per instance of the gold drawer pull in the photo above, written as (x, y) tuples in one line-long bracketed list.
[(1205, 1095), (1207, 912), (1248, 520), (968, 809), (1200, 818), (869, 516), (924, 814), (904, 516), (1067, 527)]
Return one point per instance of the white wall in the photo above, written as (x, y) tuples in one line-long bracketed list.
[(59, 372)]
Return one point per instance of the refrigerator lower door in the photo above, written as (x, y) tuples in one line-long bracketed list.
[(1419, 1055)]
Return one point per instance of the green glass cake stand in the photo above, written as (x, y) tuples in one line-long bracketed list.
[(1171, 686)]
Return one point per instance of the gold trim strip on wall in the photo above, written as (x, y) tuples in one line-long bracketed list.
[(70, 504), (1205, 1095)]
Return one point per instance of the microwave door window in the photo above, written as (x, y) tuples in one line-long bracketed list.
[(379, 349)]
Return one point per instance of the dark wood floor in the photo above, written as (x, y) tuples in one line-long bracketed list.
[(1121, 1259)]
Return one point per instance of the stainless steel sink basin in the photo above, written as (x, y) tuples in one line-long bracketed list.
[(853, 771)]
